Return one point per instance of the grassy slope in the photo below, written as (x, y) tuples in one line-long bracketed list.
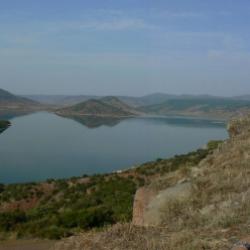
[(214, 216), (59, 208)]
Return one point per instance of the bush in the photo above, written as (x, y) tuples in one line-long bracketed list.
[(10, 220), (95, 217)]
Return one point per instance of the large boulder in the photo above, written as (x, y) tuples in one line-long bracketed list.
[(149, 205), (142, 198)]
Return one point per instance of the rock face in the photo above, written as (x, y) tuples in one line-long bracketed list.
[(149, 205), (156, 209), (142, 198), (242, 245)]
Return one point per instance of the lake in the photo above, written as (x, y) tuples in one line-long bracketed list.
[(43, 145)]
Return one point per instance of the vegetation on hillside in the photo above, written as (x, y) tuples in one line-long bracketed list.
[(59, 208), (62, 207)]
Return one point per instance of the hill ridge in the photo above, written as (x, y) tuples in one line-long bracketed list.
[(9, 102), (107, 106)]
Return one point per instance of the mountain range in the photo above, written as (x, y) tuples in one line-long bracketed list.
[(147, 100), (69, 100), (158, 104)]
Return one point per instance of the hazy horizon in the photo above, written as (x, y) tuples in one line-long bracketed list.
[(127, 48), (147, 94)]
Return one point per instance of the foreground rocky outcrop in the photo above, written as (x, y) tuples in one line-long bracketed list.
[(204, 206)]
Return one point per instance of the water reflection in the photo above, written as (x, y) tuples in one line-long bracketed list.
[(96, 121), (9, 115)]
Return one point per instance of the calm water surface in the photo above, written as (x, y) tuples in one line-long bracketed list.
[(42, 145)]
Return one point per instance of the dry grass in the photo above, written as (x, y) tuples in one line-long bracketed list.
[(129, 237)]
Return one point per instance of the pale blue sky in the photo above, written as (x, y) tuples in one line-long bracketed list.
[(125, 47)]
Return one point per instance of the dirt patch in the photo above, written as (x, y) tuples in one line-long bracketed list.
[(26, 245)]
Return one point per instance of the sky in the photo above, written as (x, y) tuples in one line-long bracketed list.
[(125, 47)]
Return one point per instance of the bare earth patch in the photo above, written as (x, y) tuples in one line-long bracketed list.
[(26, 245)]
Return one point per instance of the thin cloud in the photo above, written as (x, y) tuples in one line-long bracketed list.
[(112, 25), (184, 14), (187, 14)]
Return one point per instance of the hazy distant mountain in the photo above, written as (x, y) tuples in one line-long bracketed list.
[(68, 100), (161, 104), (61, 100), (146, 100), (152, 99), (107, 106), (242, 97), (6, 96), (10, 101), (197, 106)]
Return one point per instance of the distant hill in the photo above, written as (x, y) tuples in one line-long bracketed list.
[(242, 97), (147, 99), (61, 100), (10, 101), (207, 106), (107, 106), (162, 104)]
